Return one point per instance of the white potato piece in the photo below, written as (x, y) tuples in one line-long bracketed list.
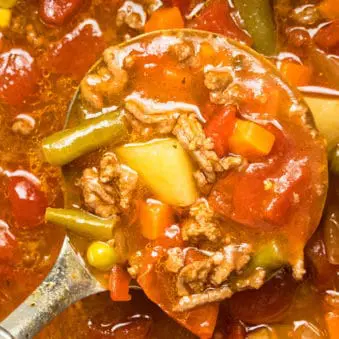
[(165, 168), (326, 115)]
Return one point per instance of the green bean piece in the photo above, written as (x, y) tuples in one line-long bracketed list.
[(269, 257), (259, 22), (101, 256), (82, 223), (64, 146)]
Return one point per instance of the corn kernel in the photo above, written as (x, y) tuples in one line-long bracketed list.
[(5, 17)]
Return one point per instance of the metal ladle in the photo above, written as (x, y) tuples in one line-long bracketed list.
[(68, 281)]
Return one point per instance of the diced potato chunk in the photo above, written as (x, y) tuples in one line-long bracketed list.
[(165, 168), (326, 115)]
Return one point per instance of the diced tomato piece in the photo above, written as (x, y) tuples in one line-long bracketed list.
[(57, 12), (171, 238), (18, 76), (8, 243), (78, 50), (216, 17), (263, 194), (118, 284), (220, 128), (328, 36), (27, 201)]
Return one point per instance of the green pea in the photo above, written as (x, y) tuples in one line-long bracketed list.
[(101, 255)]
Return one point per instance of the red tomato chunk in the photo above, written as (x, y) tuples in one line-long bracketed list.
[(220, 128), (57, 12), (18, 76), (78, 50), (216, 17), (28, 202)]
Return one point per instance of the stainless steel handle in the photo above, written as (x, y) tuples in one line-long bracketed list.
[(68, 281)]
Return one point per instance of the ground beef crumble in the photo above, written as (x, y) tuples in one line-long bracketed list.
[(108, 191), (108, 81), (131, 14), (205, 281), (201, 225)]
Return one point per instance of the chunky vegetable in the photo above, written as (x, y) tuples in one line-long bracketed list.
[(155, 217), (296, 74), (329, 8), (118, 284), (165, 167), (165, 18), (64, 146), (220, 127), (101, 255), (81, 222), (332, 322), (258, 19), (325, 112), (250, 139), (216, 17)]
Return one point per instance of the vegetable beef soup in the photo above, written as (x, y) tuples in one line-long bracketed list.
[(198, 160)]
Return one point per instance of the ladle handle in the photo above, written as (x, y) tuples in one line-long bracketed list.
[(67, 282)]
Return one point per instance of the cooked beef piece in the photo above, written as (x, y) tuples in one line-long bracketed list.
[(216, 80), (109, 81), (213, 271), (23, 124), (182, 51), (175, 260), (190, 134), (131, 14), (107, 191), (232, 258), (99, 198), (255, 280), (202, 224), (186, 303)]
